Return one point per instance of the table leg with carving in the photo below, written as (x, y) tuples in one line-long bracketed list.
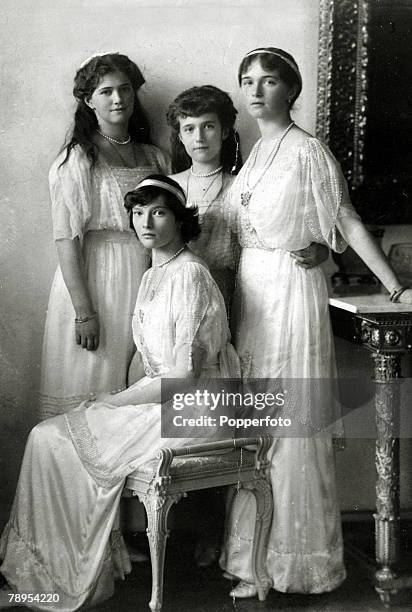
[(387, 521), (384, 329)]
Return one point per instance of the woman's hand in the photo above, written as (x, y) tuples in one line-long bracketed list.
[(112, 399), (406, 297), (311, 256), (74, 275), (104, 397), (88, 333)]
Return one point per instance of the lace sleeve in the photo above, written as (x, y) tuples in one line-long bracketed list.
[(190, 301), (71, 195), (328, 191)]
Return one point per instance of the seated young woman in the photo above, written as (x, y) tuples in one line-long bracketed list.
[(59, 538)]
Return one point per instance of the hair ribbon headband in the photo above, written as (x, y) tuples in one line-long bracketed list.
[(285, 59), (101, 54), (162, 185)]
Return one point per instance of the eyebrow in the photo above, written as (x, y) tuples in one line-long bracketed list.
[(202, 123), (263, 76), (112, 86), (150, 204)]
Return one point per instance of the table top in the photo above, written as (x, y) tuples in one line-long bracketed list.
[(375, 303)]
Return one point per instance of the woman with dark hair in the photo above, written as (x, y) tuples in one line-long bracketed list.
[(87, 344), (289, 193), (59, 537), (205, 157)]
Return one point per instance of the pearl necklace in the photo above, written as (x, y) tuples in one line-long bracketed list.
[(110, 139), (170, 258), (205, 190), (205, 174), (151, 291), (248, 189)]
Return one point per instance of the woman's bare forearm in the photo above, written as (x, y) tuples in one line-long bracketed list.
[(74, 274), (151, 392), (358, 237)]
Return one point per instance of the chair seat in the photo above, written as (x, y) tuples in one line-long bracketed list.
[(164, 480), (183, 466), (195, 472)]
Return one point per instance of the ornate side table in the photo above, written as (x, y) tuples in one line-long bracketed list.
[(385, 329)]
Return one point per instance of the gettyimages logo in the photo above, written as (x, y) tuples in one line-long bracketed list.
[(295, 408)]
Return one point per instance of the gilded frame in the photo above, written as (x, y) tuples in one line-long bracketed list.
[(342, 82), (350, 45)]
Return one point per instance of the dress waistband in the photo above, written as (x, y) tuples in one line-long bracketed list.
[(261, 248), (110, 235)]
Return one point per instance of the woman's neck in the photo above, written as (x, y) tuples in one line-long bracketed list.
[(161, 255), (273, 128), (203, 168), (118, 132)]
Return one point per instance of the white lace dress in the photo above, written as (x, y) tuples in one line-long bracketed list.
[(282, 330), (58, 538), (216, 244), (88, 204)]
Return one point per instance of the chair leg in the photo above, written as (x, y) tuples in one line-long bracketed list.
[(157, 507), (230, 496), (264, 510)]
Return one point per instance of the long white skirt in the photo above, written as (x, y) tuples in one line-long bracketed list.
[(283, 330), (60, 537), (115, 263)]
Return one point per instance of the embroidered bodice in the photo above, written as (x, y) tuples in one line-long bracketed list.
[(85, 198), (298, 200), (216, 244), (187, 309)]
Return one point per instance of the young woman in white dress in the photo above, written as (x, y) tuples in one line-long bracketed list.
[(87, 343), (206, 157), (289, 193), (59, 537)]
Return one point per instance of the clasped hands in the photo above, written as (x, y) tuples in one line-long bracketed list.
[(311, 256)]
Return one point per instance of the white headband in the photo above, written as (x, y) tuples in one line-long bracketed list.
[(101, 54), (285, 59), (162, 185)]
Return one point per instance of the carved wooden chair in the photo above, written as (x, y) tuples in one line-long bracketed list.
[(164, 481)]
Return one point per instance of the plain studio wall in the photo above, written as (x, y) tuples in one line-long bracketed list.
[(176, 44)]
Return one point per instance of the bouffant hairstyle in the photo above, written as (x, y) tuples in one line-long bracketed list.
[(187, 217), (197, 101), (86, 80), (271, 59)]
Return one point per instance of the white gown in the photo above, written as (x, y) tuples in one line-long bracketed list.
[(217, 244), (88, 203), (282, 330), (59, 536)]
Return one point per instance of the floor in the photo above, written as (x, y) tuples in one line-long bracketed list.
[(189, 589)]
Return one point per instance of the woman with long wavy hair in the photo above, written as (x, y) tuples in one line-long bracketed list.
[(87, 343)]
